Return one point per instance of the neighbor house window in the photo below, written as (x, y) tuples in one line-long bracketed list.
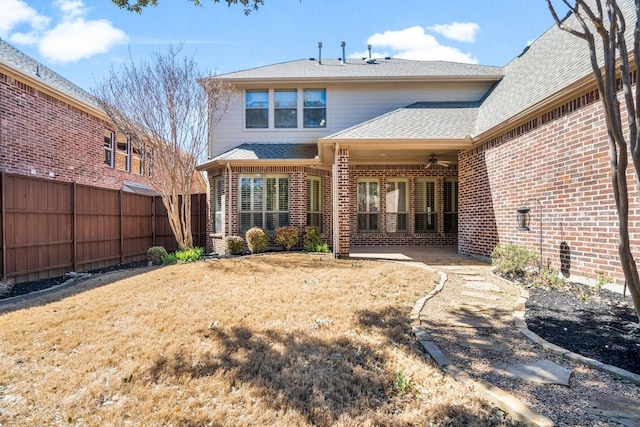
[(397, 206), (108, 148), (451, 205), (315, 108), (148, 162), (285, 104), (136, 158), (426, 218), (314, 202), (264, 202), (122, 152), (257, 109), (368, 205)]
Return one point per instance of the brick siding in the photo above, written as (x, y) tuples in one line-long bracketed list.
[(561, 159), (45, 137)]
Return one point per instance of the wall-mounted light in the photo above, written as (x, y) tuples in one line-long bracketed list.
[(524, 219)]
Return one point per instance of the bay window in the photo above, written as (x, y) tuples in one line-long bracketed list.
[(314, 202), (264, 202)]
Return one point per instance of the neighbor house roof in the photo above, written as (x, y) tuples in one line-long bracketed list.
[(18, 62), (422, 120), (356, 69)]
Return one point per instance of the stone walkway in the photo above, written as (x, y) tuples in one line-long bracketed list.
[(473, 319)]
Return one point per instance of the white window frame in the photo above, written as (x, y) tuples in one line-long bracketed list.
[(430, 213), (300, 109), (368, 205), (397, 216)]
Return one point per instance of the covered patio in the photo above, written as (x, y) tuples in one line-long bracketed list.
[(430, 255)]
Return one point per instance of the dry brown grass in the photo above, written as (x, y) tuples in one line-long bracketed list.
[(280, 339)]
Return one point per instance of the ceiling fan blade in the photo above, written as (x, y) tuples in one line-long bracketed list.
[(428, 165), (444, 163)]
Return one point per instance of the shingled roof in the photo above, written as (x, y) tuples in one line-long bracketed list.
[(257, 151), (12, 58), (355, 69)]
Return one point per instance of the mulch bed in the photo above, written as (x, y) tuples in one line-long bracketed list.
[(594, 323)]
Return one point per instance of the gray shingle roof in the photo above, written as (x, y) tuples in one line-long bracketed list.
[(422, 120), (19, 61), (333, 69), (255, 151), (551, 63)]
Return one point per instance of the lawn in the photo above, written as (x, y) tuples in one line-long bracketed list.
[(278, 339)]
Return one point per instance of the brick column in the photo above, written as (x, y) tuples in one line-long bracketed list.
[(343, 203)]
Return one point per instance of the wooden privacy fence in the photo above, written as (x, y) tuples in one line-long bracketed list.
[(49, 228)]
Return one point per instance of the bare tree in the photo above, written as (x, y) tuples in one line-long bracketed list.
[(139, 5), (601, 23), (165, 105)]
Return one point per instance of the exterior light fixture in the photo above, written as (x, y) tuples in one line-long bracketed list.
[(524, 219)]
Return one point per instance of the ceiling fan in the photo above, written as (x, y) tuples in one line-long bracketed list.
[(434, 161)]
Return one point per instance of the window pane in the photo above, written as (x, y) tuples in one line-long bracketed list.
[(285, 98), (257, 118), (316, 98), (286, 118), (315, 118), (108, 148), (257, 194), (257, 99), (283, 194)]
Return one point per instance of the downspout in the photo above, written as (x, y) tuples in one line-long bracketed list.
[(228, 199), (336, 226)]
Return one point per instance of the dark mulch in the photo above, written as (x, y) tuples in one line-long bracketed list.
[(40, 285), (595, 324)]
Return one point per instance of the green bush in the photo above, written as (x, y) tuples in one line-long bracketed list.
[(547, 278), (257, 240), (312, 241), (169, 259), (287, 236), (189, 255), (156, 254), (512, 260), (235, 245)]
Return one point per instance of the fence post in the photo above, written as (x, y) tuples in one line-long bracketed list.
[(3, 222), (153, 221), (74, 225), (121, 228)]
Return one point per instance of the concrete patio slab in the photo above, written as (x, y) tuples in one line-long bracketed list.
[(541, 372)]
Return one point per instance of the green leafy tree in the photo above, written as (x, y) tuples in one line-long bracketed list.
[(602, 25), (139, 5)]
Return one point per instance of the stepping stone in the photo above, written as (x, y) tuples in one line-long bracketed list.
[(623, 410), (485, 343), (542, 372), (483, 286), (480, 295), (467, 321), (475, 307), (470, 278)]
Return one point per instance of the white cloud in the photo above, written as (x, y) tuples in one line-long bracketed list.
[(17, 12), (460, 31), (79, 39), (414, 43), (72, 38)]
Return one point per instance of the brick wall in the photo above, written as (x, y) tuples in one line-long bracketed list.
[(561, 159), (45, 137)]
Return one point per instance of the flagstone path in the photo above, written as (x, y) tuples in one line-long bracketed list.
[(472, 326)]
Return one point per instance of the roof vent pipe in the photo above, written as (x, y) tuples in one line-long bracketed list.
[(319, 52), (369, 48), (344, 58)]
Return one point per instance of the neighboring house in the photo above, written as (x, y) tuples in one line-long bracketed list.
[(396, 152), (52, 129)]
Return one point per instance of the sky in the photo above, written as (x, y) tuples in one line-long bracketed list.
[(82, 40)]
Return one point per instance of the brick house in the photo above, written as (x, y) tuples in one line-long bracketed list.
[(384, 151)]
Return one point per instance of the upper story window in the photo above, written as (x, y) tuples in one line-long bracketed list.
[(315, 108), (257, 105), (285, 108), (108, 148), (285, 105)]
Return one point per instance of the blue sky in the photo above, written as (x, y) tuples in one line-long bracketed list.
[(82, 39)]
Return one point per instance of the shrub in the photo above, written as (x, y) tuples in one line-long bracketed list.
[(287, 236), (312, 241), (156, 254), (169, 259), (235, 245), (547, 278), (189, 255), (257, 240), (512, 260)]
